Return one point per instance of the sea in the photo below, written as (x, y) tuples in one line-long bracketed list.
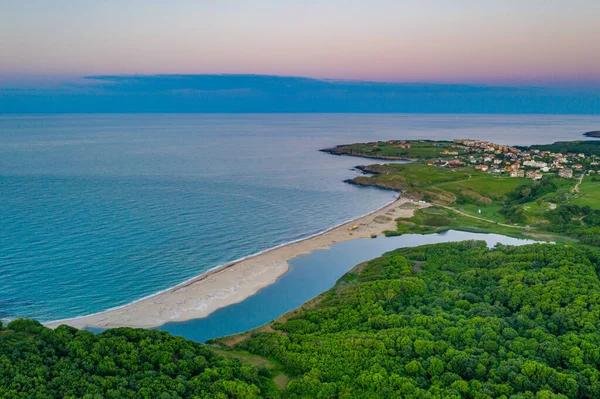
[(97, 211)]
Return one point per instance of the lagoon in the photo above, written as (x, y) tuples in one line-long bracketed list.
[(309, 275)]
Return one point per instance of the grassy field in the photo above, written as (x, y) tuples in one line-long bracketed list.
[(443, 185), (589, 193), (487, 211), (279, 377), (436, 219), (472, 191), (412, 175)]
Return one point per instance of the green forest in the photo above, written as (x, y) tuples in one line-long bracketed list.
[(590, 147), (451, 320), (37, 362), (454, 320)]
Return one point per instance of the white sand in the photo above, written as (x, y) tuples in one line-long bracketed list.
[(234, 282)]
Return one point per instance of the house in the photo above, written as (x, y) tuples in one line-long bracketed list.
[(517, 173), (482, 167), (534, 174), (535, 164), (455, 163), (566, 173)]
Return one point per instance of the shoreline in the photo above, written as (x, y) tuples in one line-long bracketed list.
[(233, 282)]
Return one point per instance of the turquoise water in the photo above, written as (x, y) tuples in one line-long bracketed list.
[(99, 210), (310, 275)]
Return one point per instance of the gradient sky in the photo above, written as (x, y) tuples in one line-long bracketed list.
[(471, 41)]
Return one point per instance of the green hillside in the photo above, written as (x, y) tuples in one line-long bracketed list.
[(447, 321), (453, 320)]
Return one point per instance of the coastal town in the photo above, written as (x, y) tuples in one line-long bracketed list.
[(516, 162)]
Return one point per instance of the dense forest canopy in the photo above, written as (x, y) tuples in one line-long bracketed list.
[(454, 320), (37, 362), (450, 320)]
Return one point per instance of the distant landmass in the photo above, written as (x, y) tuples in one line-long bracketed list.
[(595, 133), (282, 94)]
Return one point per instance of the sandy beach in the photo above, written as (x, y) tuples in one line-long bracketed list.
[(234, 282)]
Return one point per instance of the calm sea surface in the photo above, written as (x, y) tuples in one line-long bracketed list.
[(99, 210)]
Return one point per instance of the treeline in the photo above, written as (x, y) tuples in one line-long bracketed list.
[(449, 321), (585, 147), (454, 320), (512, 211), (37, 362), (582, 223), (528, 193)]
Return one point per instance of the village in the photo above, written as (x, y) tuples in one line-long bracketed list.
[(495, 158)]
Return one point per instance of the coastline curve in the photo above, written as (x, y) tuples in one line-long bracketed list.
[(233, 282)]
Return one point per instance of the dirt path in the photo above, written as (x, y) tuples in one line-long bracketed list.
[(480, 218), (576, 188)]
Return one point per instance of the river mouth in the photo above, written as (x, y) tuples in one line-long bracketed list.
[(310, 275)]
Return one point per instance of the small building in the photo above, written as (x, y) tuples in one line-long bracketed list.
[(455, 163), (534, 174), (482, 167), (535, 164), (517, 173), (566, 173)]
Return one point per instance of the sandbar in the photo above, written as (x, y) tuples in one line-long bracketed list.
[(236, 281)]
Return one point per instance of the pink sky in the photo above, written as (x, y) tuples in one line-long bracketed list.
[(527, 41)]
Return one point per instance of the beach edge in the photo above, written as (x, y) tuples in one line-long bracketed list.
[(233, 282)]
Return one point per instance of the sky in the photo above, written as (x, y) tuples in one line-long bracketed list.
[(508, 42)]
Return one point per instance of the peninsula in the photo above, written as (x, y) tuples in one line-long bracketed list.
[(594, 133), (463, 184), (539, 190)]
